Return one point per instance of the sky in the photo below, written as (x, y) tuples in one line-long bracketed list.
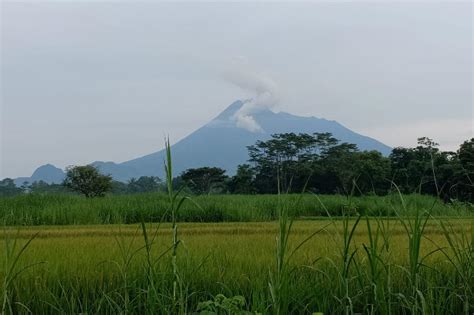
[(106, 80)]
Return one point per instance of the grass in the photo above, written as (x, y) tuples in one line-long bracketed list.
[(86, 269), (152, 207), (370, 255)]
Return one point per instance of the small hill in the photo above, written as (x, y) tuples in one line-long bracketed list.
[(47, 173)]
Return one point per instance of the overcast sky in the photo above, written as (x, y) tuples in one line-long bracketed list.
[(85, 81)]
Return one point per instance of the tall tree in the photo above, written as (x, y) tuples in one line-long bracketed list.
[(243, 182), (205, 180), (465, 171), (87, 180), (337, 170), (287, 159), (372, 171)]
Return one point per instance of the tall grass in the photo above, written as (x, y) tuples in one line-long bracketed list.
[(460, 254), (339, 270), (175, 204), (11, 270), (151, 207), (377, 250)]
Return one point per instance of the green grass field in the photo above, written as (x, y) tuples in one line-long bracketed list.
[(109, 270), (230, 254), (68, 209)]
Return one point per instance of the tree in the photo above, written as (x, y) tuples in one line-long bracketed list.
[(144, 184), (119, 188), (466, 158), (424, 169), (336, 169), (41, 187), (465, 171), (87, 180), (243, 181), (205, 180), (8, 188), (287, 158), (372, 171), (400, 160)]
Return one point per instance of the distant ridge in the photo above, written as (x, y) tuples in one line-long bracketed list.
[(47, 173), (220, 143)]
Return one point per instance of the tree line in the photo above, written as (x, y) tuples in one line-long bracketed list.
[(86, 180), (293, 163), (322, 164)]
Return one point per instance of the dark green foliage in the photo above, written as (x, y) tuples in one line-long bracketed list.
[(8, 188), (372, 170), (413, 167), (221, 304), (87, 180), (45, 188), (205, 180), (289, 157), (337, 166), (144, 184), (244, 181), (322, 164), (119, 188), (427, 170), (318, 162), (465, 171)]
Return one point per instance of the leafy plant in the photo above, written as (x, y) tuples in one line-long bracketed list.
[(221, 304), (11, 271)]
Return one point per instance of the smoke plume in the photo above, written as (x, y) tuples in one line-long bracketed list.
[(262, 88)]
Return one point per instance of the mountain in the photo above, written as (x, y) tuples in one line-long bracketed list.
[(221, 143), (47, 173)]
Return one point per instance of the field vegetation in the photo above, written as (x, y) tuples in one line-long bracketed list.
[(48, 209), (317, 162), (368, 266), (278, 253)]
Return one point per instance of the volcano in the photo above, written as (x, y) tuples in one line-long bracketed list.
[(221, 143)]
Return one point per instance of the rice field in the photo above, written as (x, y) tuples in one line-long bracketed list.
[(416, 265)]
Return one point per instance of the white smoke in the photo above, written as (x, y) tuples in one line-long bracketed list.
[(263, 89)]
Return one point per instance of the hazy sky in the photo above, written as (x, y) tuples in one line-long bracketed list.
[(85, 81)]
